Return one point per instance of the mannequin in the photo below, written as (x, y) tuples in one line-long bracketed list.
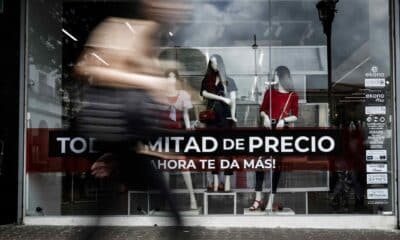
[(274, 115), (220, 92), (180, 104)]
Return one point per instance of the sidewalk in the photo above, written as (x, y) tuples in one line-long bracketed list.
[(11, 232)]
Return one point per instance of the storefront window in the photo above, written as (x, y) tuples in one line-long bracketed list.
[(275, 54)]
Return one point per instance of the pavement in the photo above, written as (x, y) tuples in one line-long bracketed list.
[(11, 232)]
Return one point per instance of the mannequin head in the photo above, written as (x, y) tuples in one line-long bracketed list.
[(283, 78), (216, 66), (173, 78)]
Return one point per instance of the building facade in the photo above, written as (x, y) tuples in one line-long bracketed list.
[(356, 188)]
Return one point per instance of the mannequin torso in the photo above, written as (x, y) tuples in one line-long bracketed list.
[(272, 107)]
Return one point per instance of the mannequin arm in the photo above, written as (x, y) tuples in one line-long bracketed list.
[(290, 119), (266, 120), (233, 105), (215, 97), (186, 118)]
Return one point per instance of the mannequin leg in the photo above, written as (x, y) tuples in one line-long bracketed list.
[(260, 175), (259, 184), (276, 175), (258, 195), (209, 178), (270, 202), (216, 182), (189, 185), (227, 186)]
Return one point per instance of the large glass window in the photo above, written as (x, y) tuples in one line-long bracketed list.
[(271, 50)]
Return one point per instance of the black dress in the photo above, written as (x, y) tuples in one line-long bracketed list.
[(222, 110)]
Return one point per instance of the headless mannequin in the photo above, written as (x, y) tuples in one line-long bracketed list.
[(173, 92), (230, 101), (266, 119)]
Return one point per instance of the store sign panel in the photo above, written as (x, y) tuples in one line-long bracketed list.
[(376, 155), (377, 168), (377, 179), (374, 83), (198, 143), (378, 194), (376, 119), (373, 97), (378, 110)]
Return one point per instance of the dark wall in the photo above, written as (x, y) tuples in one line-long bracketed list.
[(9, 105)]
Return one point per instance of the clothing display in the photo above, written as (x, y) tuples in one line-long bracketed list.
[(176, 105), (277, 105), (222, 110), (276, 174), (204, 109), (275, 109)]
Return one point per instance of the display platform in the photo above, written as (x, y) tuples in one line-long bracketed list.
[(284, 212), (191, 212), (219, 194)]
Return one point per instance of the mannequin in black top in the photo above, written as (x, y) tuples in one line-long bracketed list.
[(220, 92)]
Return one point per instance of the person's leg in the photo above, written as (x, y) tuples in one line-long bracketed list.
[(166, 177), (157, 181), (337, 191), (189, 185), (358, 190)]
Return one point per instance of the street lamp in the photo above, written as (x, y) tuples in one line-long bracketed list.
[(326, 13)]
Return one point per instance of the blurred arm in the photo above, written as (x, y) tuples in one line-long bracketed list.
[(102, 76)]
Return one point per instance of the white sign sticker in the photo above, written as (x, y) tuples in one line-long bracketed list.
[(376, 168), (375, 82), (376, 155), (378, 193), (377, 178), (377, 110)]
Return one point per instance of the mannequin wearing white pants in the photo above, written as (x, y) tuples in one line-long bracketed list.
[(184, 106)]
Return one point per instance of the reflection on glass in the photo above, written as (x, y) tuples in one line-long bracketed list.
[(288, 33)]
